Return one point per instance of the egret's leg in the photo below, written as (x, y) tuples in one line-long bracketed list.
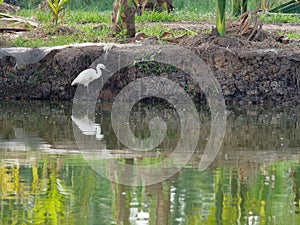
[(87, 89)]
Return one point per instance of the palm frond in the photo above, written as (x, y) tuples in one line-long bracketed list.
[(289, 7)]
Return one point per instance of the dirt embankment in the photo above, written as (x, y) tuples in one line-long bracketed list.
[(265, 72)]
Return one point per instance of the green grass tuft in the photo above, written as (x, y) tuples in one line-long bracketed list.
[(280, 18)]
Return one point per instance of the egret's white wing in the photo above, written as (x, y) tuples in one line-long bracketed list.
[(85, 77)]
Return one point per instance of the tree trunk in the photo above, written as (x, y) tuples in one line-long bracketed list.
[(166, 5), (160, 5), (122, 18)]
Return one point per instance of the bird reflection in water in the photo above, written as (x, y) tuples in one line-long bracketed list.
[(88, 127)]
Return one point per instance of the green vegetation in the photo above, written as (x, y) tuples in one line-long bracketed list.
[(290, 34), (92, 24), (289, 7), (203, 6), (236, 7), (56, 7), (65, 190), (240, 6), (149, 66), (187, 5), (220, 17), (279, 18)]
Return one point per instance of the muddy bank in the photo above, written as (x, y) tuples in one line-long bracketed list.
[(247, 74)]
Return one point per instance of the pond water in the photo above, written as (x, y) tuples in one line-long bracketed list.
[(46, 179)]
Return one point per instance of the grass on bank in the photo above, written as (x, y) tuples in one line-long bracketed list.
[(80, 16), (280, 18), (203, 6), (93, 26)]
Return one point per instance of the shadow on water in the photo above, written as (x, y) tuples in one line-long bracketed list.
[(44, 178)]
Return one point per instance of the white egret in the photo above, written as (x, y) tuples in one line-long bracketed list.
[(88, 127), (89, 75)]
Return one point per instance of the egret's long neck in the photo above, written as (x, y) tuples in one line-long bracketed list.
[(98, 69)]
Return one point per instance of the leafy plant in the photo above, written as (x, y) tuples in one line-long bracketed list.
[(220, 17), (239, 7), (236, 7), (266, 4), (57, 6), (244, 6), (289, 7), (1, 1)]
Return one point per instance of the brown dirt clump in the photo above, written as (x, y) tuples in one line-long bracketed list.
[(8, 8), (247, 74), (267, 40)]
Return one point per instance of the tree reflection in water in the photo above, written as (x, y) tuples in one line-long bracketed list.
[(43, 179)]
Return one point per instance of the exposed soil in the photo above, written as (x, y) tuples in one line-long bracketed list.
[(200, 26), (247, 74), (262, 70), (8, 8)]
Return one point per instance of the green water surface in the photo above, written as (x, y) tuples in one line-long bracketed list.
[(45, 179)]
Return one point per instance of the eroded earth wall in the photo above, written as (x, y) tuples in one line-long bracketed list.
[(267, 76)]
